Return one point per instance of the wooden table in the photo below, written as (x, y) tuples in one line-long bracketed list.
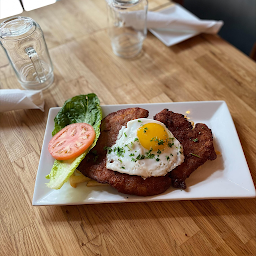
[(202, 68)]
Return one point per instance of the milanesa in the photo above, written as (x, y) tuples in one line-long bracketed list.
[(197, 144), (94, 165)]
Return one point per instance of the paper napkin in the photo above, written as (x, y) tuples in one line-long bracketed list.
[(171, 25), (169, 22), (13, 99), (166, 22)]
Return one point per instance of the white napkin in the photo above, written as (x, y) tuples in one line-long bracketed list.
[(12, 99), (167, 22), (156, 20)]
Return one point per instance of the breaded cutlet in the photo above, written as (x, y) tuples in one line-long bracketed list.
[(197, 144), (197, 147), (94, 164)]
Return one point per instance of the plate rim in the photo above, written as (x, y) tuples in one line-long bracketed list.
[(142, 199)]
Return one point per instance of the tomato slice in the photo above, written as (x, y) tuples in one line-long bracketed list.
[(71, 141)]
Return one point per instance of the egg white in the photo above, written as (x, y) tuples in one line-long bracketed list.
[(125, 155)]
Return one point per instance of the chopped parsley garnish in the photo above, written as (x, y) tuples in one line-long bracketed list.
[(167, 158), (136, 139), (109, 149), (119, 151), (139, 121), (95, 153), (134, 160), (160, 142), (159, 151), (153, 138), (95, 158), (145, 129), (157, 159), (170, 144), (123, 167), (149, 155), (120, 160), (140, 157), (194, 155), (129, 149), (125, 134), (131, 154), (171, 154)]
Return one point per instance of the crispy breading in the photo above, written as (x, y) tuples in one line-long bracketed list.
[(197, 144), (94, 164)]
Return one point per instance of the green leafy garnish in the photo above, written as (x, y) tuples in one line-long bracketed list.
[(109, 149), (126, 145), (194, 155), (119, 151), (79, 109), (170, 144), (140, 157), (149, 155), (159, 142)]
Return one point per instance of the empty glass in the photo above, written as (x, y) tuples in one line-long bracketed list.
[(127, 26), (24, 44)]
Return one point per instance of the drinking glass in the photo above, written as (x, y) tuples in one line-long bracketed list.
[(24, 44), (127, 26)]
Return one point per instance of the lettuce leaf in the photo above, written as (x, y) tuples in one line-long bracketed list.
[(79, 109)]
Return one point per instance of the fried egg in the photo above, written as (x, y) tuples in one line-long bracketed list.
[(145, 148)]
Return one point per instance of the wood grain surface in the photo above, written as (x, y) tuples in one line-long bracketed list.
[(202, 68)]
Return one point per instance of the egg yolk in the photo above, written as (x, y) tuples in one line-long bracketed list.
[(152, 136)]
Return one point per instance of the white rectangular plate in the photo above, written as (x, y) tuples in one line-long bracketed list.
[(226, 177), (170, 38)]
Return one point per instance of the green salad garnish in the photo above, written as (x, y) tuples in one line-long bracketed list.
[(79, 109)]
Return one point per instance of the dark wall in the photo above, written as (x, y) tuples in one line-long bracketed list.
[(239, 18)]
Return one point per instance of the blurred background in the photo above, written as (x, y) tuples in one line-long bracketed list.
[(239, 18)]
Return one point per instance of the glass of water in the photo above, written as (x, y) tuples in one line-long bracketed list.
[(127, 21)]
